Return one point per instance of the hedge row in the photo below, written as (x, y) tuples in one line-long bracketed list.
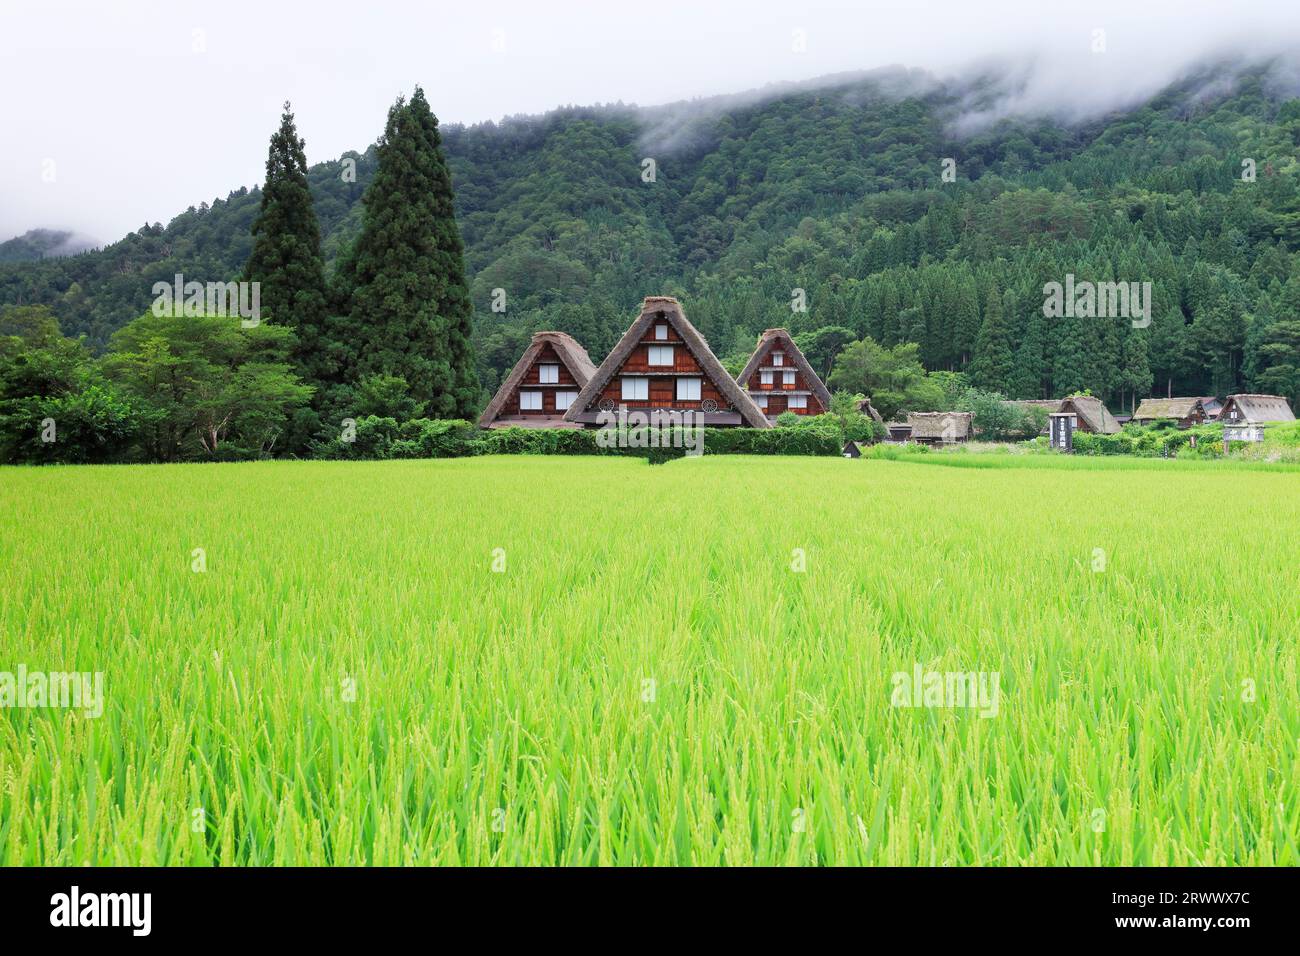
[(1155, 442), (384, 438)]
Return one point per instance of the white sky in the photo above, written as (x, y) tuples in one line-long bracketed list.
[(143, 116)]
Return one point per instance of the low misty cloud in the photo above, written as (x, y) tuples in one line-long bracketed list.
[(117, 114)]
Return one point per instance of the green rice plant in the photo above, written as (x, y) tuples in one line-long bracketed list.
[(576, 661)]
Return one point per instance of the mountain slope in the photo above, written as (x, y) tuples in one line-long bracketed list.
[(834, 189)]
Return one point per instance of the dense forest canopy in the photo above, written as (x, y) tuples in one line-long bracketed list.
[(837, 191)]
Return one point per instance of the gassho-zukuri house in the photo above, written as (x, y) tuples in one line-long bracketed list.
[(779, 378), (542, 386), (663, 365)]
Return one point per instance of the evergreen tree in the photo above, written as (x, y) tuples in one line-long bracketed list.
[(408, 305), (993, 364), (286, 257)]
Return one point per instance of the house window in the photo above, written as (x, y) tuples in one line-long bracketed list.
[(1233, 414), (563, 400), (798, 401), (530, 401), (765, 378), (688, 389), (762, 401), (661, 332), (635, 389), (778, 358), (661, 355), (787, 378), (549, 374)]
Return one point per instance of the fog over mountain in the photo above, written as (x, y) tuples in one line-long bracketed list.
[(122, 113)]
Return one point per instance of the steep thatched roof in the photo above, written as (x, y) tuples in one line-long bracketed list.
[(750, 413), (1093, 413), (946, 426), (1176, 408), (769, 338), (1048, 405), (573, 355), (1258, 408)]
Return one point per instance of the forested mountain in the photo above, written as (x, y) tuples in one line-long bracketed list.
[(837, 190), (43, 243)]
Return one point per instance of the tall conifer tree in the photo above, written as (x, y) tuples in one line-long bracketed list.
[(408, 311), (286, 258), (993, 364)]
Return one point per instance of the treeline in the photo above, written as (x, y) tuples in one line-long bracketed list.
[(840, 194)]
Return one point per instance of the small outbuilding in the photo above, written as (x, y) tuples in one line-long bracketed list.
[(940, 428)]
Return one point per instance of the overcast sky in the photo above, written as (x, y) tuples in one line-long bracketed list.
[(116, 113)]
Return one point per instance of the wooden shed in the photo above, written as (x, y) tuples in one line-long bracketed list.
[(663, 364), (1256, 409), (1184, 412), (542, 385), (779, 378)]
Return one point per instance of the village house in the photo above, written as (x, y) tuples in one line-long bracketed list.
[(1091, 415), (1212, 406), (541, 386), (663, 365), (1184, 412), (1255, 409), (779, 378)]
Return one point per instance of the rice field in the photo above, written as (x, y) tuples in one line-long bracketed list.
[(598, 661)]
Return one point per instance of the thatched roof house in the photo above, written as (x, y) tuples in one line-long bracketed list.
[(1093, 416), (542, 385), (779, 378), (1239, 409), (663, 364), (1186, 412), (940, 428)]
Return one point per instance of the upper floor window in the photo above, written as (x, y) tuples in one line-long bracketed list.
[(765, 378), (549, 374), (530, 401), (635, 389), (661, 331), (661, 355), (563, 400), (778, 358), (688, 389), (787, 378)]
